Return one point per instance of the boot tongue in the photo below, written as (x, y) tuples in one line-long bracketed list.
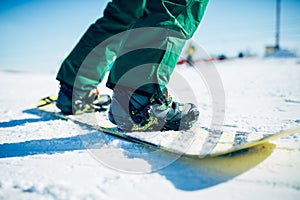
[(163, 97), (168, 98)]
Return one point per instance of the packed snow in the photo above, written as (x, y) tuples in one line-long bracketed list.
[(42, 157)]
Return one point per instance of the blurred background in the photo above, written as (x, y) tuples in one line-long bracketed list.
[(36, 35)]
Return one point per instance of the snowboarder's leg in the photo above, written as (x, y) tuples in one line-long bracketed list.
[(85, 74), (148, 57), (160, 41), (118, 16)]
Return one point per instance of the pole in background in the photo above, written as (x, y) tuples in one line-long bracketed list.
[(277, 36)]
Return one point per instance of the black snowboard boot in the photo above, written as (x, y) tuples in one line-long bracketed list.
[(82, 101), (137, 112)]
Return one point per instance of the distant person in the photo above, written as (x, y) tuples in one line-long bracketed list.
[(136, 102), (190, 51)]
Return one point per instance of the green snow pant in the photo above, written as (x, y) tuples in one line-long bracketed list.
[(144, 36)]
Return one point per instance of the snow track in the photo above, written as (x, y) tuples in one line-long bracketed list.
[(44, 158)]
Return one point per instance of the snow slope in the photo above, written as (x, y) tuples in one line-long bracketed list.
[(44, 158)]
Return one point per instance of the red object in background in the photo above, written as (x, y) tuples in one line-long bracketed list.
[(181, 62)]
